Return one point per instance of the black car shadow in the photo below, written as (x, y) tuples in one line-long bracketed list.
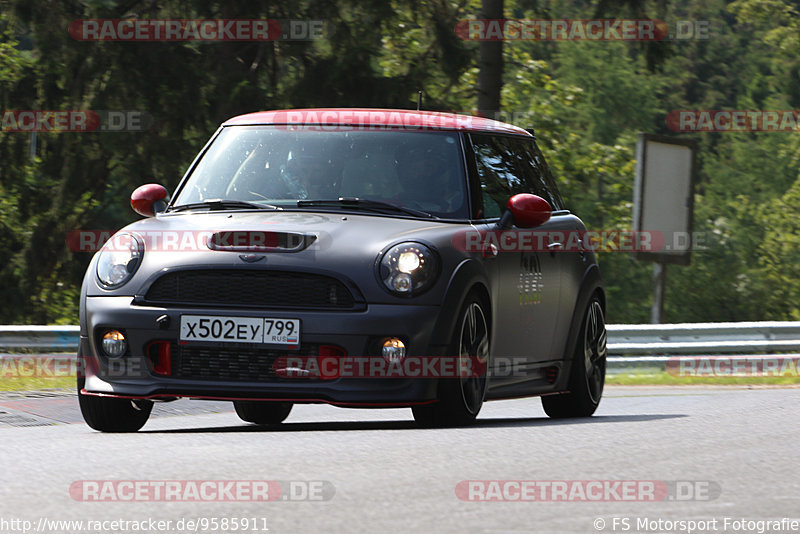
[(596, 419), (344, 426)]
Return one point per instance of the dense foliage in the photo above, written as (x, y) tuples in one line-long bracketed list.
[(587, 100)]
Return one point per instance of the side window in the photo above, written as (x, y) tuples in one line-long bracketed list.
[(538, 173), (498, 173), (507, 166)]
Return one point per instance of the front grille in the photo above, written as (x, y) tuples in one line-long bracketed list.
[(231, 364), (218, 287)]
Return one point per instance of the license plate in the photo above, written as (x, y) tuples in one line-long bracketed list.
[(267, 330)]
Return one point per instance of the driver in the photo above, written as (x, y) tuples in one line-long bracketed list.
[(308, 177), (425, 179)]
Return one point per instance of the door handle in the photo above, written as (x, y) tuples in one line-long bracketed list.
[(553, 247)]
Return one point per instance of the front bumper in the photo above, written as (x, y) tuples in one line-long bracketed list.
[(355, 333)]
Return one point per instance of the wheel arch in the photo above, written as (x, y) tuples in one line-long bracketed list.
[(591, 285), (467, 277)]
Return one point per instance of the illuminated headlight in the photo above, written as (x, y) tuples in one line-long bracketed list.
[(119, 259), (408, 269)]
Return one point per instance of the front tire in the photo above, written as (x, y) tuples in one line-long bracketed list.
[(262, 412), (588, 374), (113, 415), (460, 399)]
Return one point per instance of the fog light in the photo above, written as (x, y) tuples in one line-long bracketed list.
[(393, 350), (114, 344)]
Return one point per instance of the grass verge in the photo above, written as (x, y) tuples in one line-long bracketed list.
[(662, 378), (36, 383)]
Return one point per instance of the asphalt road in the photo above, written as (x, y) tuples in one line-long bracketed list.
[(732, 451)]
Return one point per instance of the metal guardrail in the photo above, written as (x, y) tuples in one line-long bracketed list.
[(27, 338), (637, 347), (703, 338), (629, 345)]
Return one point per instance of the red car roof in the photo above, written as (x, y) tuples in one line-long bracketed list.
[(376, 118)]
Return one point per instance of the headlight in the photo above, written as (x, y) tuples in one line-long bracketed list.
[(408, 269), (119, 259)]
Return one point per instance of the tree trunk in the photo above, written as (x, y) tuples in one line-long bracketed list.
[(490, 64)]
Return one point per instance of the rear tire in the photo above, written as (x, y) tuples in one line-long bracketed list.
[(113, 415), (588, 374), (262, 412), (460, 399)]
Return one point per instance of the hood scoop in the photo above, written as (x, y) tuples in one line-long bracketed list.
[(259, 241)]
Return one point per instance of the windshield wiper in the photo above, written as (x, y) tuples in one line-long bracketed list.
[(361, 203), (219, 204)]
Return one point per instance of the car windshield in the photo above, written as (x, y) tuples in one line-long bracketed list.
[(278, 166)]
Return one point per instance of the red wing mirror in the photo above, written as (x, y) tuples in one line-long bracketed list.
[(149, 199), (526, 211)]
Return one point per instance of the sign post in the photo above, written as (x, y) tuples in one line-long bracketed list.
[(663, 205), (659, 285)]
